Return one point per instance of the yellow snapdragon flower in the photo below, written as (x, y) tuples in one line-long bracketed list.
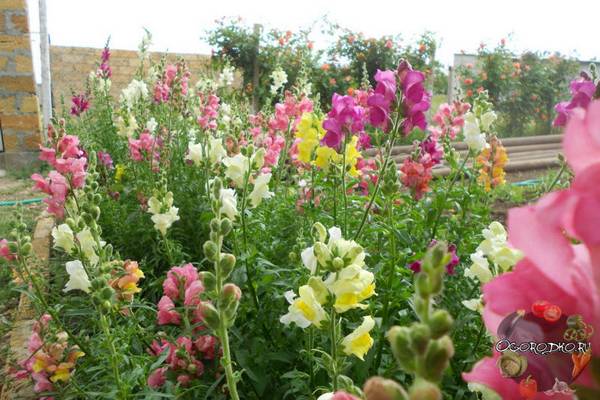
[(359, 341), (310, 131), (351, 286), (305, 309)]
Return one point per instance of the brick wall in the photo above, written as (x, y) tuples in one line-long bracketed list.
[(19, 111), (70, 67)]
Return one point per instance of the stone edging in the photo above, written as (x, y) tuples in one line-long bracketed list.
[(24, 316)]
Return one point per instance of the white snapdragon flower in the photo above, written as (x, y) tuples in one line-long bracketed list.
[(216, 151), (162, 222), (226, 77), (237, 167), (195, 153), (151, 125), (228, 203), (127, 128), (134, 92), (309, 259), (487, 120), (88, 244), (279, 78), (63, 237), (78, 278), (304, 310), (260, 190), (163, 212), (480, 269), (474, 138)]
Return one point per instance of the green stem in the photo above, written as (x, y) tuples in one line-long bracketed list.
[(441, 208), (224, 337), (378, 184), (309, 349), (387, 291), (113, 355), (334, 360), (557, 177), (345, 226), (249, 271), (222, 329)]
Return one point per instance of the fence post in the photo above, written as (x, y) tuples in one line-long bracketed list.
[(45, 61), (450, 85), (255, 71)]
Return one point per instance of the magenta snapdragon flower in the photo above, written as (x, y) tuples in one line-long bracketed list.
[(582, 92), (345, 118), (79, 104), (415, 99)]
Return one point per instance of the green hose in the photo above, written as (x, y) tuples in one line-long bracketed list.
[(26, 201)]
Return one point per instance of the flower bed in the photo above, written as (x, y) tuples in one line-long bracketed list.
[(214, 253)]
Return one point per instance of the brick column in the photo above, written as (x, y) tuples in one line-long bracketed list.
[(19, 110)]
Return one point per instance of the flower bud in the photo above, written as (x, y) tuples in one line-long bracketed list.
[(319, 289), (232, 291), (399, 338), (435, 256), (353, 253), (208, 280), (511, 364), (440, 323), (377, 388), (226, 226), (437, 358), (319, 232), (210, 315), (217, 185), (322, 253), (424, 390), (107, 293), (26, 249), (337, 263), (215, 225), (210, 250), (12, 247), (258, 158), (422, 285), (226, 264), (420, 335)]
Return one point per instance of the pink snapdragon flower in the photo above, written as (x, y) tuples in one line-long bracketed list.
[(582, 92), (209, 111), (166, 312), (5, 251), (415, 99), (556, 268), (380, 101), (345, 118), (179, 279), (57, 187), (147, 147), (79, 104), (185, 359), (449, 120), (105, 159), (104, 71)]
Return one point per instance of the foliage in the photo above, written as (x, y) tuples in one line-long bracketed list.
[(523, 88)]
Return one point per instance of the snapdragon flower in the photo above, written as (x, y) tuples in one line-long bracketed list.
[(279, 78), (164, 214), (78, 278)]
